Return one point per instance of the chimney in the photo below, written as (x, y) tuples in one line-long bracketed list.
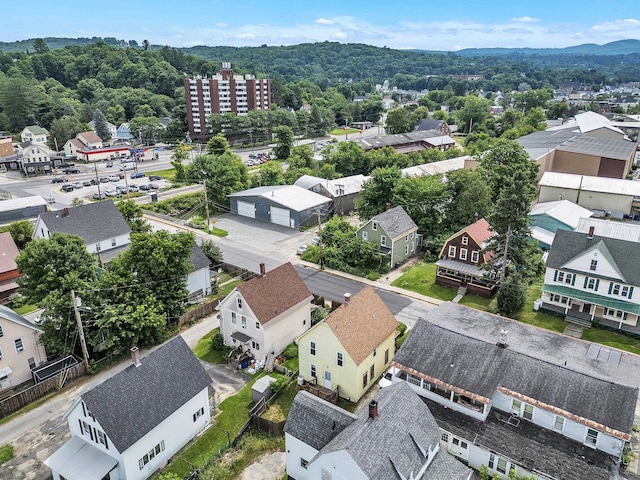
[(373, 409), (475, 217), (65, 212), (135, 356), (347, 298), (387, 206), (502, 341), (263, 270), (591, 231)]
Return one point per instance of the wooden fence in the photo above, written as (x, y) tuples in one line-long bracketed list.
[(19, 400), (198, 312)]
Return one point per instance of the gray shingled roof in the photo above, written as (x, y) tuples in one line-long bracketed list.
[(93, 222), (428, 124), (480, 367), (378, 446), (133, 402), (395, 222), (568, 245), (198, 259), (8, 314), (314, 421)]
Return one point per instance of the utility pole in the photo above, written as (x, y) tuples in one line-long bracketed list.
[(206, 206), (83, 342), (321, 242), (97, 181)]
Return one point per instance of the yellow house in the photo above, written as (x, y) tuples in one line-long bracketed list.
[(351, 348)]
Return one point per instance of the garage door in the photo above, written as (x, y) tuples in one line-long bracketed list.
[(247, 209), (280, 216)]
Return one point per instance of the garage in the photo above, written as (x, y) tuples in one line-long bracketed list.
[(280, 216), (247, 209)]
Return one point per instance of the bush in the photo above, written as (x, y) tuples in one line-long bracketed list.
[(402, 327), (217, 342), (511, 296), (318, 315), (291, 351)]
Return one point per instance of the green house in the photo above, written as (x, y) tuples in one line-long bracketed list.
[(395, 234)]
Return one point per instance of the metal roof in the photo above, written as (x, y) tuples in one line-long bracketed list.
[(600, 147), (586, 183), (289, 196), (436, 168), (564, 211), (607, 228), (80, 459), (23, 202)]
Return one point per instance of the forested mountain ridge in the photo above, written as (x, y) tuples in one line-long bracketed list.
[(619, 47)]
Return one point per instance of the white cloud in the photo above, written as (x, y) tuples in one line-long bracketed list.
[(324, 21), (220, 24), (525, 19)]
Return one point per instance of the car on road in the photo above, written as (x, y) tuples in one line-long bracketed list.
[(301, 249), (144, 186), (69, 170), (252, 155), (113, 178), (99, 196), (77, 184), (58, 180), (137, 175), (153, 186), (88, 183), (104, 180), (155, 178), (316, 241), (127, 166), (67, 188), (111, 193)]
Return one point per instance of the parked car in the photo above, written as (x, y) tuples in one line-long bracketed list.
[(154, 178), (121, 189), (301, 249), (105, 179), (127, 166), (113, 178), (133, 188), (67, 188), (58, 180), (87, 183), (109, 164), (252, 155), (316, 241), (111, 193), (153, 186), (69, 170), (386, 379), (137, 175), (77, 185), (99, 196), (144, 186), (93, 181)]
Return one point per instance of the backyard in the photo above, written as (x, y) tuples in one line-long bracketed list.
[(421, 278)]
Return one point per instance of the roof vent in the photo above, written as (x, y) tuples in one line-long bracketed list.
[(502, 340)]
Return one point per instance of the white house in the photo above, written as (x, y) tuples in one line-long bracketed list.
[(393, 437), (111, 128), (101, 225), (591, 277), (20, 348), (199, 280), (510, 396), (129, 426), (267, 313), (35, 134), (35, 158)]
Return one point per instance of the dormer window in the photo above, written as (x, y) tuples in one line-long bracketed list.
[(465, 240)]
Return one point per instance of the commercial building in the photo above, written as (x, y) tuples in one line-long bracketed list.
[(224, 92)]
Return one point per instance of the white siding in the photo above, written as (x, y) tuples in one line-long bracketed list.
[(283, 330), (296, 451), (450, 404), (106, 244), (200, 279), (339, 464)]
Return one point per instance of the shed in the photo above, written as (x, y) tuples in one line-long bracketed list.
[(262, 388), (286, 205), (22, 208)]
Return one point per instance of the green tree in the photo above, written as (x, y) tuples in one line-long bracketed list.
[(348, 158), (399, 120), (100, 125), (225, 174), (344, 250), (269, 174), (40, 46), (217, 145), (181, 153), (115, 114), (423, 198), (133, 214), (147, 129), (377, 192), (63, 129), (474, 113), (212, 251), (469, 195), (511, 296), (145, 44), (20, 232), (17, 97), (284, 142)]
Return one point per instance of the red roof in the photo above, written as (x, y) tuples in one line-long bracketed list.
[(480, 231), (8, 253)]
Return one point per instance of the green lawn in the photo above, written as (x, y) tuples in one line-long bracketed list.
[(225, 289), (204, 351), (6, 453), (234, 413), (169, 173), (341, 131), (422, 279), (23, 310), (612, 339)]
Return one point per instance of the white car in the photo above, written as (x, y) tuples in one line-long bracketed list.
[(386, 379), (301, 249)]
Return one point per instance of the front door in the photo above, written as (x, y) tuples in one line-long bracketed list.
[(327, 379)]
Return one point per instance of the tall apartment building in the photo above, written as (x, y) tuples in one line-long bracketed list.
[(224, 92)]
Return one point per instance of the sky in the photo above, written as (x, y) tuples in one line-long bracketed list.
[(402, 24)]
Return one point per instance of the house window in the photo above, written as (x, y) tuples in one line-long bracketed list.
[(113, 242), (86, 429), (592, 438), (255, 345), (365, 235), (502, 465), (386, 356), (412, 246), (383, 240), (558, 424), (444, 437), (592, 283), (527, 412), (1, 332), (198, 414), (101, 438), (463, 254), (151, 455), (313, 371), (406, 249), (594, 265), (244, 322), (19, 345), (239, 302), (257, 325), (465, 240), (372, 372), (364, 380), (474, 256), (620, 290), (460, 443), (617, 314), (563, 277), (452, 251), (374, 226), (406, 238), (375, 352), (1, 356), (312, 348), (339, 359), (558, 299), (515, 406), (32, 363), (233, 317), (304, 463)]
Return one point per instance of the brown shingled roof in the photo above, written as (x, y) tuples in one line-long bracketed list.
[(8, 253), (362, 324), (275, 293), (89, 137)]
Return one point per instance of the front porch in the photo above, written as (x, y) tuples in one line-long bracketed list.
[(321, 392), (453, 274)]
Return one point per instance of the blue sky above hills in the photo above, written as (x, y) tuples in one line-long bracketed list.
[(418, 24)]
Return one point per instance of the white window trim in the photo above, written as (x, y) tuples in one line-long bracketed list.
[(452, 251), (475, 255)]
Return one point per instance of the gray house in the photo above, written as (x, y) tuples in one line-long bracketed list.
[(395, 233), (286, 205), (394, 437), (343, 192)]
